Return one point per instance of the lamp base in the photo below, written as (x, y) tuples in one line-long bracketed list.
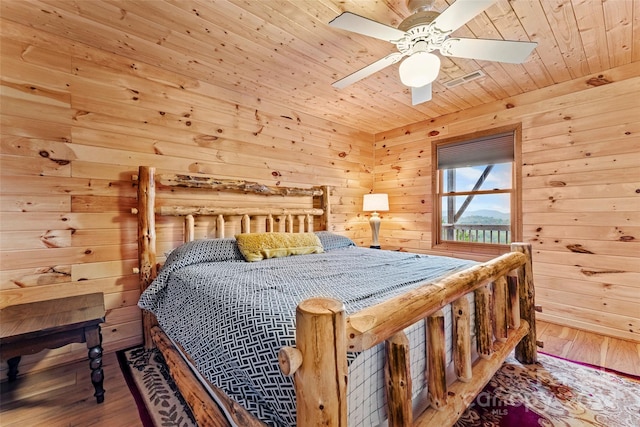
[(374, 221)]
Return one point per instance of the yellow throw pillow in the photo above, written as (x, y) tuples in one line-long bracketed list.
[(259, 246)]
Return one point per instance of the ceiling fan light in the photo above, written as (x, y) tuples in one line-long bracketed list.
[(419, 69)]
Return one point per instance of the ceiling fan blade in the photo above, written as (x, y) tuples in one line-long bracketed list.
[(459, 13), (510, 51), (359, 24), (368, 70), (420, 94)]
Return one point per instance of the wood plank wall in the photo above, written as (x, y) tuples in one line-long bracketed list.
[(77, 121), (581, 193)]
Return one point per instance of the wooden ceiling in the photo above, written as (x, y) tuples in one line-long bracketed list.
[(284, 52)]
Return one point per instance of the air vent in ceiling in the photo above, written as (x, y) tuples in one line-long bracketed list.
[(465, 79)]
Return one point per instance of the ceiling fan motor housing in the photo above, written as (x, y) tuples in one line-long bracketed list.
[(418, 18), (421, 31)]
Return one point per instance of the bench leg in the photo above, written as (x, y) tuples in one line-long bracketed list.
[(94, 344), (13, 368)]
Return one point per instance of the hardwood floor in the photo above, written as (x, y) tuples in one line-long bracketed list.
[(587, 347), (63, 396)]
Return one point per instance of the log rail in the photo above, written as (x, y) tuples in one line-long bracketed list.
[(502, 324)]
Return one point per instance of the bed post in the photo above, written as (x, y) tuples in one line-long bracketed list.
[(526, 351), (326, 208), (147, 242), (321, 379)]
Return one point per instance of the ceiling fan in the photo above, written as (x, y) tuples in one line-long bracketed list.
[(423, 32)]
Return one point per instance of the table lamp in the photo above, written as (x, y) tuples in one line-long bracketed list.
[(374, 203)]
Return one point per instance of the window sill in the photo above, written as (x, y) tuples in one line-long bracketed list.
[(472, 248)]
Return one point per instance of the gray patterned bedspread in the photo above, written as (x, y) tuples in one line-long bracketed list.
[(233, 316)]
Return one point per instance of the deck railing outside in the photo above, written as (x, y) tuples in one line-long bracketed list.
[(477, 233)]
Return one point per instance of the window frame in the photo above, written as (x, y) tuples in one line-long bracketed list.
[(437, 186)]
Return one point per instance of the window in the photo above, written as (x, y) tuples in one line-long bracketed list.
[(476, 190)]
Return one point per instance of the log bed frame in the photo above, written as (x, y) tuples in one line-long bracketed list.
[(505, 319)]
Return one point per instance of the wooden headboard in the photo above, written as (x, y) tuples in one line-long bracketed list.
[(256, 216)]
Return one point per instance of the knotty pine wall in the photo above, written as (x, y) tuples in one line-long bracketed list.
[(76, 122), (581, 193)]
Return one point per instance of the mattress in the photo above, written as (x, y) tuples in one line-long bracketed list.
[(232, 316)]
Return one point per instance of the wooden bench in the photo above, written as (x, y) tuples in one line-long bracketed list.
[(32, 327)]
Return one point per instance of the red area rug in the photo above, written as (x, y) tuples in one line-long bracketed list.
[(553, 392)]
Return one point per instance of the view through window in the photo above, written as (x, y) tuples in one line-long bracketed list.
[(476, 191)]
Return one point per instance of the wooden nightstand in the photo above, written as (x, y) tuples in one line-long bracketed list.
[(32, 327)]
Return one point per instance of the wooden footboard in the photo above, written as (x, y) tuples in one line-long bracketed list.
[(324, 335)]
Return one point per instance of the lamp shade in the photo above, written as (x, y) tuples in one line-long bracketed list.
[(375, 202), (419, 69)]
